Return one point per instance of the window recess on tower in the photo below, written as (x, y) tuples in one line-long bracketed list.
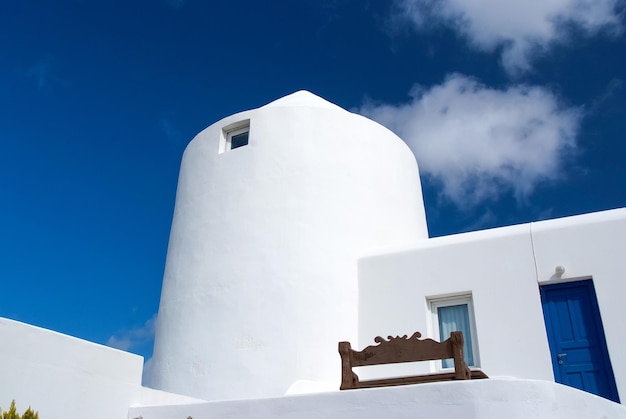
[(235, 135)]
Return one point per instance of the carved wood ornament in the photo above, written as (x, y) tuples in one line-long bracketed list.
[(404, 349)]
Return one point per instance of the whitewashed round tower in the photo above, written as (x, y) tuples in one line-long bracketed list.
[(273, 208)]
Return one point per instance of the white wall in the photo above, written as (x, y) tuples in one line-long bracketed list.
[(261, 281), (496, 266), (61, 376), (591, 246), (477, 399), (64, 377), (501, 268)]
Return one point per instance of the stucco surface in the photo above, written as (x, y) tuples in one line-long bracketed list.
[(61, 376), (64, 377), (496, 266), (480, 399), (261, 280), (502, 269), (590, 246)]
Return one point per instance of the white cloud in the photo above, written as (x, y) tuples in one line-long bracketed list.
[(129, 339), (44, 73), (40, 72), (520, 27), (478, 142)]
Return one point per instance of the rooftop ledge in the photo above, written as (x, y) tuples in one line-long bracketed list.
[(488, 399)]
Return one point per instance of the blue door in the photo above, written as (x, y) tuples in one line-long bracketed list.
[(579, 354)]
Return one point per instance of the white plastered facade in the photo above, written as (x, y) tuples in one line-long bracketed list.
[(261, 278), (502, 269)]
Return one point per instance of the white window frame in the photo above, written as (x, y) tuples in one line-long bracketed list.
[(229, 131), (435, 302)]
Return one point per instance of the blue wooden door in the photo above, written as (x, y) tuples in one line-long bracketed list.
[(579, 354)]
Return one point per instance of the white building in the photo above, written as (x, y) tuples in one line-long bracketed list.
[(264, 243), (300, 224)]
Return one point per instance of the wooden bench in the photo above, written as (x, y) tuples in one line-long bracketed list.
[(403, 349)]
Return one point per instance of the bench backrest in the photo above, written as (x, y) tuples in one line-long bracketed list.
[(401, 349)]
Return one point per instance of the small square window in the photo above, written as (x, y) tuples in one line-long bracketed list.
[(235, 135), (238, 138), (455, 313)]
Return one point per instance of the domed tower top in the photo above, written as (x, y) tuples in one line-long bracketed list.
[(303, 98)]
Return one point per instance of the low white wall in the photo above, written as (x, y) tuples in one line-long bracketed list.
[(145, 396), (502, 268), (484, 399), (64, 377)]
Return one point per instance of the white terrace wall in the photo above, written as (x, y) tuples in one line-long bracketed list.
[(502, 269), (64, 377), (476, 399)]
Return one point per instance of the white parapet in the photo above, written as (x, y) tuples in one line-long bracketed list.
[(475, 399), (61, 376), (261, 275)]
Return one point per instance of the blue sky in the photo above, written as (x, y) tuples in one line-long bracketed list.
[(516, 112)]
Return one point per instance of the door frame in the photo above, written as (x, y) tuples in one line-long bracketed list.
[(597, 322)]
